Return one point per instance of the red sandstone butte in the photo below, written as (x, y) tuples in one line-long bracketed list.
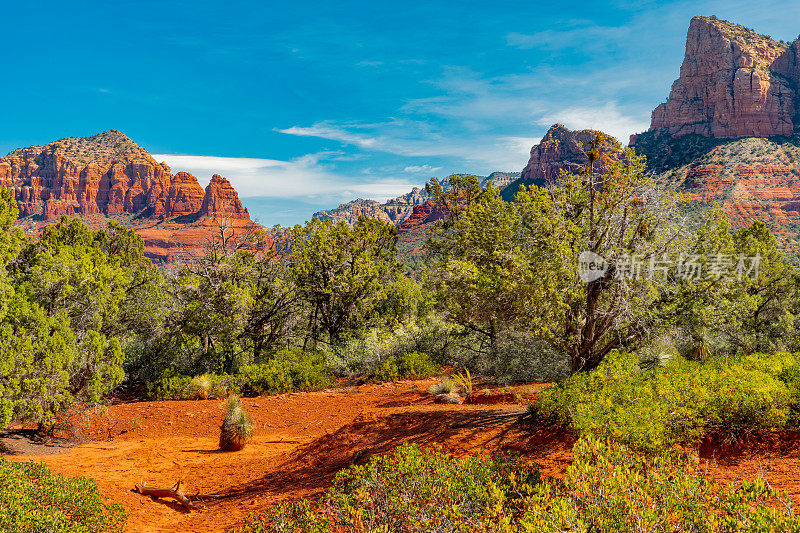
[(108, 175)]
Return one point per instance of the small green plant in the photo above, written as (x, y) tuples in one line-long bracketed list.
[(464, 382), (236, 428), (446, 386), (200, 387), (33, 500)]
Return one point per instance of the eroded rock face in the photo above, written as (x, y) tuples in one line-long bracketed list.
[(733, 83), (561, 149), (222, 200), (108, 175), (564, 149), (422, 215), (351, 211), (751, 179)]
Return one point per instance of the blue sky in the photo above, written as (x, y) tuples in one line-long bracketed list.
[(304, 105)]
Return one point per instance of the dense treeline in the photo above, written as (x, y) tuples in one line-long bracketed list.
[(503, 291)]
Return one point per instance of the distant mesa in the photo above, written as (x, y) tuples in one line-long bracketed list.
[(108, 175)]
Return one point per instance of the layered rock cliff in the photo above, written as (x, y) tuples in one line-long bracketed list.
[(108, 175), (733, 83), (561, 149), (728, 133)]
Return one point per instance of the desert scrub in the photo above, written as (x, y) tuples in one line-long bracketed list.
[(679, 403), (412, 489), (33, 500), (236, 428), (172, 386), (609, 488), (413, 365), (286, 371)]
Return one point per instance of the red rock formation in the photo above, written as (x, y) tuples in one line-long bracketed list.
[(185, 196), (109, 175), (422, 215), (222, 200), (563, 149), (733, 83)]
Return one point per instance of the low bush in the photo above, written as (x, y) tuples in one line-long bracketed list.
[(33, 500), (678, 403), (361, 352), (172, 386), (414, 365), (609, 488), (524, 357), (410, 489), (286, 371), (168, 386)]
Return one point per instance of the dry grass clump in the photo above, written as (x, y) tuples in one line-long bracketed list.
[(446, 386), (237, 427)]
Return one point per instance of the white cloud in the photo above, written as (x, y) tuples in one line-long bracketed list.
[(327, 130), (413, 138), (427, 169), (608, 118), (304, 177)]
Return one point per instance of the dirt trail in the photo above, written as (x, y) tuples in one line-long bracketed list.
[(301, 440)]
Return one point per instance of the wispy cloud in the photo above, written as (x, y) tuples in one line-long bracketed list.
[(303, 177), (421, 169), (417, 139)]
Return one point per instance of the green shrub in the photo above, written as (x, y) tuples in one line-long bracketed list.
[(172, 386), (33, 500), (677, 403), (608, 489), (414, 365), (237, 426), (410, 489), (286, 371), (168, 386), (524, 357), (358, 354)]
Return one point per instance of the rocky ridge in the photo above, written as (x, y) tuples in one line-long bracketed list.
[(108, 176), (398, 210), (733, 83)]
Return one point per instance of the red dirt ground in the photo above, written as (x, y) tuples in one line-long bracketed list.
[(301, 440)]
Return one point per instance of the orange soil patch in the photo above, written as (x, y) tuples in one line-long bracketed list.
[(301, 440)]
